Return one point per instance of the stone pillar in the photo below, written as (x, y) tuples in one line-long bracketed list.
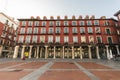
[(41, 52), (118, 52), (107, 50), (1, 47), (30, 51), (37, 52), (54, 56), (16, 52), (73, 56), (23, 50), (97, 52), (46, 52), (63, 52), (81, 57), (89, 52)]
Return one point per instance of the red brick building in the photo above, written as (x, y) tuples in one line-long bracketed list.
[(87, 37), (7, 35)]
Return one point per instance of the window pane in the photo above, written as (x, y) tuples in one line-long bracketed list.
[(57, 30), (44, 23), (34, 39), (23, 23), (74, 30), (35, 30), (110, 40), (50, 39), (42, 39), (96, 22), (65, 38), (97, 30), (107, 31), (74, 23), (30, 23), (57, 23), (36, 23), (99, 39), (22, 31), (66, 30), (57, 39), (43, 30), (90, 30), (51, 23), (91, 39), (82, 30), (75, 39), (29, 30), (82, 23), (65, 23), (89, 23)]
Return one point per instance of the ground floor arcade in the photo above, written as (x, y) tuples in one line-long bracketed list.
[(73, 52)]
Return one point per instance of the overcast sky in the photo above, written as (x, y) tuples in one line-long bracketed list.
[(27, 8)]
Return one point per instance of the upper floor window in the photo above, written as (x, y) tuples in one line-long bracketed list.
[(99, 39), (30, 23), (34, 39), (91, 39), (29, 30), (109, 39), (82, 30), (22, 30), (57, 39), (51, 23), (58, 23), (35, 30), (28, 39), (23, 23), (66, 39), (90, 30), (96, 22), (74, 30), (108, 31), (106, 23), (50, 39), (75, 39), (66, 30), (43, 30), (65, 23), (21, 38), (82, 23), (97, 30), (42, 38), (50, 30), (89, 23), (36, 23), (43, 23), (57, 30), (74, 23), (83, 39)]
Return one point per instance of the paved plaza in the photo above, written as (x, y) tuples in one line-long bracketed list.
[(59, 69)]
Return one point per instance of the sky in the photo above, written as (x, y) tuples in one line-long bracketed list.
[(28, 8)]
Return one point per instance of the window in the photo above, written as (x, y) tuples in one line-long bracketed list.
[(118, 32), (82, 23), (89, 23), (74, 23), (57, 39), (90, 30), (82, 30), (74, 30), (50, 39), (34, 39), (35, 30), (43, 30), (75, 39), (44, 23), (106, 23), (36, 23), (57, 23), (116, 24), (91, 39), (57, 30), (97, 30), (65, 23), (96, 22), (22, 30), (50, 30), (23, 23), (66, 30), (108, 31), (21, 38), (51, 23), (99, 39), (66, 39), (30, 23), (42, 39), (109, 39), (29, 30), (28, 39), (83, 39)]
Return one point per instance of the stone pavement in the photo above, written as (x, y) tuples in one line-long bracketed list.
[(59, 69)]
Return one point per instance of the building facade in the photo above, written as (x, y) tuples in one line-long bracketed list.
[(75, 38), (7, 35)]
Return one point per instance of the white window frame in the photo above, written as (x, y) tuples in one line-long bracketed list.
[(75, 39), (83, 37), (43, 30), (74, 30), (51, 31), (82, 29), (66, 39), (43, 23), (42, 38), (106, 30), (57, 39), (30, 23), (89, 23), (58, 23), (91, 39), (22, 30), (74, 23), (21, 39), (51, 23), (35, 31), (36, 23), (82, 23), (23, 23), (90, 30), (50, 39), (96, 22), (66, 23), (66, 30), (58, 29), (29, 30), (28, 38), (97, 30), (34, 39)]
